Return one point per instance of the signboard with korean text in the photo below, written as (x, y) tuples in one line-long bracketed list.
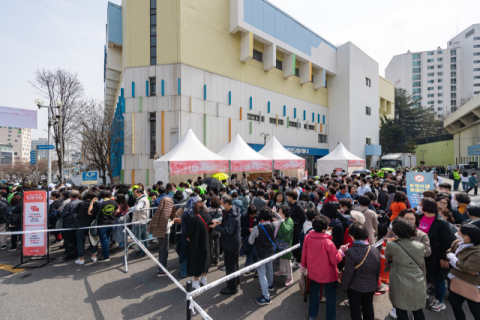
[(417, 184), (34, 218), (90, 177)]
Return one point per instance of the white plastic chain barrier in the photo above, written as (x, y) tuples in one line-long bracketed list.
[(193, 304)]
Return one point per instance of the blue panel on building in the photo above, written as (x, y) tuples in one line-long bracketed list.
[(205, 92), (373, 150), (268, 106), (304, 115), (324, 119), (294, 113), (179, 86), (133, 89), (163, 87), (230, 98), (318, 118), (266, 17), (146, 87), (313, 116), (474, 150), (284, 111), (114, 20), (251, 103)]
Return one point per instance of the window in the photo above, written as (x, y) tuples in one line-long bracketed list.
[(453, 59), (272, 120), (15, 153), (153, 32), (475, 118), (153, 89), (257, 56), (368, 111), (368, 140), (254, 117), (430, 102), (440, 87), (368, 82), (430, 95), (440, 73), (417, 97), (8, 139), (476, 69), (453, 109), (453, 67), (453, 81), (431, 74), (309, 126), (417, 77), (430, 81), (440, 80), (440, 102), (297, 72), (439, 59), (476, 38), (440, 94), (430, 53), (417, 84), (453, 102), (294, 124), (430, 88), (279, 65), (417, 63), (453, 52), (417, 91), (322, 138), (280, 122), (416, 70), (153, 134), (476, 77), (439, 115), (16, 141), (476, 53), (432, 109), (453, 74), (430, 67), (476, 45), (439, 66), (476, 84), (439, 52), (476, 92), (476, 61), (416, 56), (429, 60), (9, 135)]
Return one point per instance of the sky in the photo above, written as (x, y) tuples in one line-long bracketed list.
[(70, 34)]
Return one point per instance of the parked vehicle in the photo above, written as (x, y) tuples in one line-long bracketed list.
[(395, 160)]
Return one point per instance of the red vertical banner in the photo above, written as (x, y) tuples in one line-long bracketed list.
[(34, 218)]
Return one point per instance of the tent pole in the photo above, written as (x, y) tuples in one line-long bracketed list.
[(273, 169), (168, 173), (230, 170)]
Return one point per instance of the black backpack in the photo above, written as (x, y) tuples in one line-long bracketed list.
[(383, 224), (3, 212)]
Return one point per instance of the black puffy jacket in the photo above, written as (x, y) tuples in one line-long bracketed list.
[(230, 230)]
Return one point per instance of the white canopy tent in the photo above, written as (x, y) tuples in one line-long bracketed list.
[(339, 159), (283, 159), (243, 158), (189, 156)]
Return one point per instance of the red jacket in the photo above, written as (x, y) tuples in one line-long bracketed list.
[(320, 257), (330, 198)]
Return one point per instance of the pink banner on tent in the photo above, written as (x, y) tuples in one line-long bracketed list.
[(356, 163), (251, 165), (289, 164), (194, 167)]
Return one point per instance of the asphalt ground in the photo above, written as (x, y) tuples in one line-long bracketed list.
[(64, 290)]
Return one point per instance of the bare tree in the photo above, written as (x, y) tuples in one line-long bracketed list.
[(99, 135), (65, 86)]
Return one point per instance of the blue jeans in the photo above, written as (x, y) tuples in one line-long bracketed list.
[(81, 235), (456, 183), (314, 296), (440, 289), (265, 276), (140, 231), (183, 268), (104, 234), (465, 185)]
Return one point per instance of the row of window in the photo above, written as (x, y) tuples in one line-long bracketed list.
[(257, 55), (153, 32), (438, 102), (418, 56)]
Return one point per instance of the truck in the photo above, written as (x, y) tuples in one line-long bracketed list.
[(395, 160)]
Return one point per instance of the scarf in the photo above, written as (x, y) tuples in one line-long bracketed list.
[(461, 208), (190, 204)]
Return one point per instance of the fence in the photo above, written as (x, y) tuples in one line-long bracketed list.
[(443, 137)]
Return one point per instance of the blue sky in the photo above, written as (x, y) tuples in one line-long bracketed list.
[(71, 35)]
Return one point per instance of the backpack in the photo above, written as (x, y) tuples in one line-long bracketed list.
[(3, 212), (383, 223), (302, 237)]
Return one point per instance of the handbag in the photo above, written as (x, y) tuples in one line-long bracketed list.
[(282, 244), (94, 231), (465, 289), (357, 266), (304, 286)]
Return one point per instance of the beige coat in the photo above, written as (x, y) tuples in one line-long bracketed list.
[(160, 220), (371, 223)]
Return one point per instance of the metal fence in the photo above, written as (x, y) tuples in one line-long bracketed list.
[(443, 137)]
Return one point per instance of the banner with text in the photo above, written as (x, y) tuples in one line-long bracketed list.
[(289, 164), (195, 167), (417, 183), (251, 165), (34, 218)]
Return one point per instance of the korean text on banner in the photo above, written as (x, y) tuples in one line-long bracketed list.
[(289, 164), (417, 183), (251, 165), (194, 167), (34, 218), (356, 163)]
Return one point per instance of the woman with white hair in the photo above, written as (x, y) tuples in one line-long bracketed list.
[(356, 216)]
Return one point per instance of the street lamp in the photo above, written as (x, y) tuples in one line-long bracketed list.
[(265, 137), (59, 104)]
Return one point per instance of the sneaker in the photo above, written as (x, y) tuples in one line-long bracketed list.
[(93, 259), (262, 301), (393, 313), (203, 281), (280, 273), (296, 265), (59, 241), (195, 285), (288, 282), (271, 288), (323, 299), (439, 306), (12, 249), (4, 247), (160, 273), (434, 301), (79, 261), (102, 259), (346, 302)]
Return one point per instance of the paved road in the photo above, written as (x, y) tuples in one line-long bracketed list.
[(63, 290)]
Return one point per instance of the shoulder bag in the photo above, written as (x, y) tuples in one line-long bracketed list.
[(281, 245), (357, 266), (273, 244), (408, 254), (465, 289), (94, 231)]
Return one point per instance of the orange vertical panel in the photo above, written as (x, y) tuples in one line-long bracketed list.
[(321, 127), (133, 176), (240, 113), (229, 129)]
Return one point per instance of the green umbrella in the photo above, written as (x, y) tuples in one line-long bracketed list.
[(388, 169)]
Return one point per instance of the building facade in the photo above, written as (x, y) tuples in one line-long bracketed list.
[(443, 78), (464, 124), (19, 139), (43, 154), (6, 154), (221, 67)]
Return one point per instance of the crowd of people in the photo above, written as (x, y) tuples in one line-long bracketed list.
[(335, 219)]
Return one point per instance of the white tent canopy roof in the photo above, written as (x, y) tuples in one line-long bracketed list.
[(188, 149), (274, 150), (340, 153), (238, 149)]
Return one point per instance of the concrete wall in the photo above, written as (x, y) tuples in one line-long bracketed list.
[(436, 154), (462, 140)]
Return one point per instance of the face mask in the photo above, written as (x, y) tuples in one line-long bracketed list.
[(419, 208), (384, 189), (459, 237), (329, 233)]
